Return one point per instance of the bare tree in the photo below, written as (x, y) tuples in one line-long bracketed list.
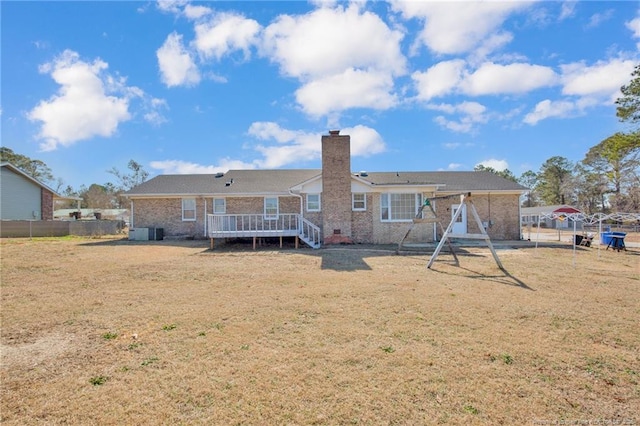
[(127, 181)]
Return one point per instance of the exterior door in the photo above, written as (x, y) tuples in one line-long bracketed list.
[(460, 225)]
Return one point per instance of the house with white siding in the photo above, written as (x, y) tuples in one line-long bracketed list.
[(23, 197)]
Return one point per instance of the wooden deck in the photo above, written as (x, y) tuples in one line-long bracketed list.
[(261, 226)]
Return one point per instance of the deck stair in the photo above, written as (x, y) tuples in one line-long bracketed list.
[(310, 233)]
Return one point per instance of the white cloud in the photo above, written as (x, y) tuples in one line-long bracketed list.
[(455, 27), (85, 105), (323, 3), (497, 165), (517, 78), (265, 130), (345, 57), (598, 18), (439, 80), (491, 44), (196, 12), (601, 80), (152, 107), (280, 147), (171, 6), (490, 78), (178, 167), (291, 146), (585, 87), (470, 114), (567, 10), (461, 126), (550, 109), (155, 118), (288, 147), (454, 166), (177, 67), (365, 141), (350, 89), (327, 41), (224, 33), (183, 8), (634, 27), (294, 146)]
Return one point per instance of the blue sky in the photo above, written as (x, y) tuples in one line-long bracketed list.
[(202, 87)]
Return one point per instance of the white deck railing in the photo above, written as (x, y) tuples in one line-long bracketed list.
[(259, 225), (310, 233), (250, 225)]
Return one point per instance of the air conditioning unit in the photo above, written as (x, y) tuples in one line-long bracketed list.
[(156, 234), (139, 234)]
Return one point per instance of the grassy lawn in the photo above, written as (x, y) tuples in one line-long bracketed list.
[(107, 331)]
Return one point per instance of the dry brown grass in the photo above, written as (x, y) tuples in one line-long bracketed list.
[(115, 332)]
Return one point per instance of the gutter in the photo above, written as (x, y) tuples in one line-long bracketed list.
[(301, 202)]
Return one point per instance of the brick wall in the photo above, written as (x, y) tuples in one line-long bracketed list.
[(500, 210), (362, 223), (255, 205), (167, 213), (336, 188), (394, 232), (46, 204)]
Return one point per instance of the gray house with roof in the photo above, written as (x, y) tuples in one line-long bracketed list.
[(332, 205), (24, 198)]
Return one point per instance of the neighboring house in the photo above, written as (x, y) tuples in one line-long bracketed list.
[(23, 197), (331, 205), (554, 217)]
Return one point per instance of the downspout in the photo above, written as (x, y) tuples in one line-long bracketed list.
[(489, 201), (520, 221), (205, 216), (301, 207), (131, 216)]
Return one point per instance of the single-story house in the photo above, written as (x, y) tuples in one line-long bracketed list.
[(25, 198), (553, 217), (331, 205)]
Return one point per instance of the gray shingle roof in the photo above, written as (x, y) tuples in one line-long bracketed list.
[(247, 182), (240, 182), (451, 181)]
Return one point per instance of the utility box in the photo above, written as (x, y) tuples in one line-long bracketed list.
[(156, 234), (138, 234)]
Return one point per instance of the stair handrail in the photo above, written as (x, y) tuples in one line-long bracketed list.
[(310, 233)]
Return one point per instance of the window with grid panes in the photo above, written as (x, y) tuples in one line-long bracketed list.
[(399, 207)]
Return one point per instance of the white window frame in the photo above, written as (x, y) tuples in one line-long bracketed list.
[(224, 206), (309, 203), (354, 201), (385, 200), (271, 216), (186, 207)]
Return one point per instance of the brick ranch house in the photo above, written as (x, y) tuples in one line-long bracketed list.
[(331, 205)]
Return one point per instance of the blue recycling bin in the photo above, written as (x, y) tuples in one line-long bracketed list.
[(605, 238), (619, 240)]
